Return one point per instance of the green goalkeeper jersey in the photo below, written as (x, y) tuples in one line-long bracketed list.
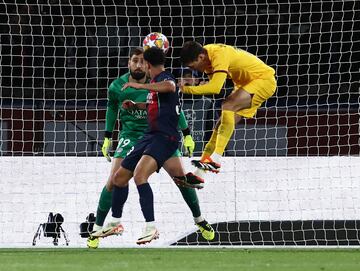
[(133, 122)]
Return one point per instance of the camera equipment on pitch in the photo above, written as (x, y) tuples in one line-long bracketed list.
[(87, 227), (52, 228)]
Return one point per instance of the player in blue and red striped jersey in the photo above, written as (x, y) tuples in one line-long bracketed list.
[(158, 144)]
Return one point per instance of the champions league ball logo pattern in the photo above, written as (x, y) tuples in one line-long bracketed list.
[(156, 39)]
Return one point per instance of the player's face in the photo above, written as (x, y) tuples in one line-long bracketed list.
[(199, 64), (137, 67)]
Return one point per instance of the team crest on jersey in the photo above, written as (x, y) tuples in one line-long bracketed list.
[(150, 97)]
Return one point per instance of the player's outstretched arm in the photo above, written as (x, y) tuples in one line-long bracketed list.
[(129, 104), (164, 86), (213, 87)]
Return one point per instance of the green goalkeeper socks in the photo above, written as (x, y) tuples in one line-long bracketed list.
[(189, 195), (103, 206), (191, 199)]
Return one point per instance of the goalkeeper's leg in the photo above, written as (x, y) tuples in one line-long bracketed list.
[(104, 205), (174, 167), (120, 181), (106, 197)]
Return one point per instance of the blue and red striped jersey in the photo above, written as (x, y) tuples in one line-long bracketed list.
[(164, 109)]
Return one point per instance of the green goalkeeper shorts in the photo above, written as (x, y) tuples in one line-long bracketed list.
[(127, 143)]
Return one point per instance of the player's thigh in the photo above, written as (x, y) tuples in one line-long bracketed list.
[(116, 164), (174, 166), (237, 100), (135, 154), (126, 144), (146, 166), (261, 90), (121, 177), (161, 148)]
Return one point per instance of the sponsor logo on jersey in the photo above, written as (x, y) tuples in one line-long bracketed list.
[(139, 114)]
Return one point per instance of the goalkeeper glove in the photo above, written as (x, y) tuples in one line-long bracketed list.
[(106, 148), (189, 145)]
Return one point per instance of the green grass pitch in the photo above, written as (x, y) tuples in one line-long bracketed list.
[(179, 259)]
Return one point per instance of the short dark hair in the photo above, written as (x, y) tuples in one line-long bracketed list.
[(190, 52), (136, 51), (155, 56)]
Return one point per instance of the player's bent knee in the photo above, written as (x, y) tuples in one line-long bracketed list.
[(138, 179), (227, 107), (119, 179), (109, 185), (114, 179), (174, 167)]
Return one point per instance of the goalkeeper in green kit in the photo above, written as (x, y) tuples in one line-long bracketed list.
[(133, 125)]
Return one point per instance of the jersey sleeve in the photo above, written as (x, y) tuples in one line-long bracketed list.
[(220, 63), (112, 109), (182, 124), (213, 87)]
